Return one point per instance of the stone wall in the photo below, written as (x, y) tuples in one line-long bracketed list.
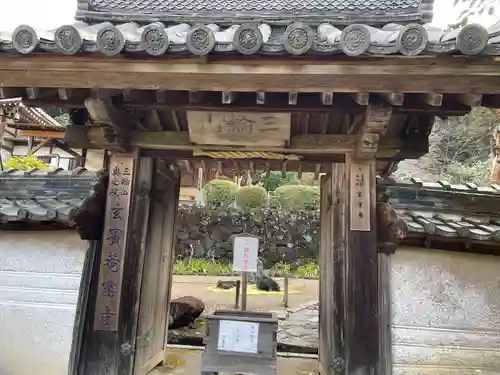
[(285, 236)]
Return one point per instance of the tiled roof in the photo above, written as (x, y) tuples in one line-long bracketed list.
[(446, 210), (38, 196), (294, 38), (13, 110), (434, 209), (347, 10), (249, 5)]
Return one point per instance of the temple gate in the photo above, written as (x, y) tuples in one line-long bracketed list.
[(346, 92)]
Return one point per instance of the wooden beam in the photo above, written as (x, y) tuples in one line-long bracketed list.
[(444, 74), (78, 137), (169, 140), (261, 97), (43, 134), (395, 99), (327, 98), (472, 100), (43, 143), (278, 102), (227, 97), (361, 98), (68, 150), (30, 144), (433, 99)]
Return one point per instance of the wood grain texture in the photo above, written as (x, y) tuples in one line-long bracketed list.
[(306, 143), (156, 284), (349, 333), (359, 194), (134, 266), (383, 75), (115, 235), (239, 128), (361, 330)]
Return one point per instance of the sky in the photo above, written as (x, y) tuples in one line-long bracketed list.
[(49, 14)]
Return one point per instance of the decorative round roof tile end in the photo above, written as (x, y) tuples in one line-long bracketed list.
[(51, 214), (25, 39), (412, 39), (110, 40), (472, 39), (200, 40), (154, 39), (22, 214), (355, 40), (68, 40), (248, 39), (298, 38)]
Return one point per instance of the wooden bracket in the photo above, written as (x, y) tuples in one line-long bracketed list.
[(113, 127), (378, 115)]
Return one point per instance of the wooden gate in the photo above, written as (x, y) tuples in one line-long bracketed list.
[(157, 281), (133, 333)]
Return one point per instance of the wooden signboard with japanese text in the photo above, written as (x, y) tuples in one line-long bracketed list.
[(114, 242), (359, 191), (239, 128)]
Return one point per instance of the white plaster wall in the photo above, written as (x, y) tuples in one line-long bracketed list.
[(6, 154), (446, 307), (446, 313), (39, 280), (95, 159)]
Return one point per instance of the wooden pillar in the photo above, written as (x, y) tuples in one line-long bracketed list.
[(104, 337), (349, 323), (83, 159)]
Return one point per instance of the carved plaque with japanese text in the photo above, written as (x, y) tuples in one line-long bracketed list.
[(113, 243), (239, 128), (359, 191)]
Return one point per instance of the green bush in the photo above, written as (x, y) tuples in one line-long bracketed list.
[(220, 193), (25, 163), (297, 197), (251, 196), (275, 179)]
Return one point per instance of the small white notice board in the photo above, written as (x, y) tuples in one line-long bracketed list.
[(242, 337), (245, 253)]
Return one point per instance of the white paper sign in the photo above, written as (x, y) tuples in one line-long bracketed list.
[(245, 253), (242, 337)]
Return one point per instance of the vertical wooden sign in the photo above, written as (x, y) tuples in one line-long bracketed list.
[(359, 190), (114, 242)]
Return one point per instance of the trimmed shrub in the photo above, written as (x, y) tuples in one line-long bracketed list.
[(220, 193), (297, 197), (251, 196)]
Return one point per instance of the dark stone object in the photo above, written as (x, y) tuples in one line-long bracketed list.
[(267, 284), (226, 284), (184, 311)]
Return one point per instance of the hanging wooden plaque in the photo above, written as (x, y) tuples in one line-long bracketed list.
[(114, 242), (239, 128), (359, 190)]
